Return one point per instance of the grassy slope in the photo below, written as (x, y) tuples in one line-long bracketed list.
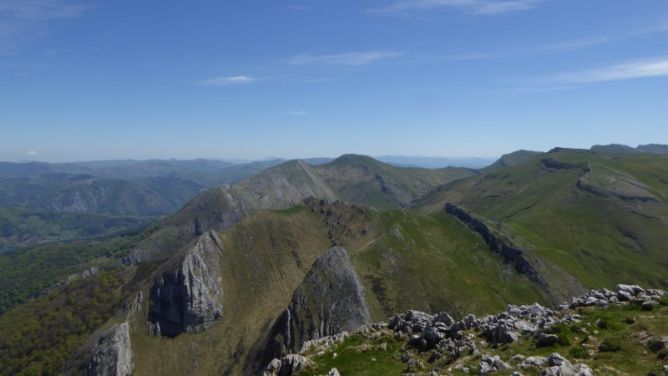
[(434, 263), (625, 326), (599, 240)]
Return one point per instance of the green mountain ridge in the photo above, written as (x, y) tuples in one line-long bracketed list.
[(576, 219), (352, 178)]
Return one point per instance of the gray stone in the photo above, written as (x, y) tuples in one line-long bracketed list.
[(112, 354), (534, 361), (287, 366), (489, 364), (190, 298), (555, 359), (503, 334), (648, 305), (546, 340)]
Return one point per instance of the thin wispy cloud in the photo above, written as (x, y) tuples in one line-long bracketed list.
[(344, 59), (643, 68), (31, 153), (596, 40), (474, 7), (296, 113), (228, 81), (565, 46), (25, 20)]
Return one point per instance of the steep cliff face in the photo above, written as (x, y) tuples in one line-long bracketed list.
[(523, 261), (112, 355), (330, 300), (189, 298), (514, 255)]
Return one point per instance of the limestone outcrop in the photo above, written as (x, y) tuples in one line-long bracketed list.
[(190, 297), (112, 354), (330, 300)]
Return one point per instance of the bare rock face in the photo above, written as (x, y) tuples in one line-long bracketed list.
[(112, 355), (330, 300), (190, 298)]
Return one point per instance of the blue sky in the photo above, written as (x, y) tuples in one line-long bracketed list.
[(251, 79)]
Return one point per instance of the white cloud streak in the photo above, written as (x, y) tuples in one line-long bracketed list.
[(344, 59), (474, 7), (643, 68), (296, 113), (228, 81)]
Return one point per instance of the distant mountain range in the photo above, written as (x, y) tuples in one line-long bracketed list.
[(43, 202), (621, 148)]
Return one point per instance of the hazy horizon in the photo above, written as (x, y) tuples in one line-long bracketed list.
[(242, 160)]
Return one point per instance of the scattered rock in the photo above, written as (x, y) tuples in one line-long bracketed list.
[(490, 364), (448, 340), (288, 365), (560, 366)]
